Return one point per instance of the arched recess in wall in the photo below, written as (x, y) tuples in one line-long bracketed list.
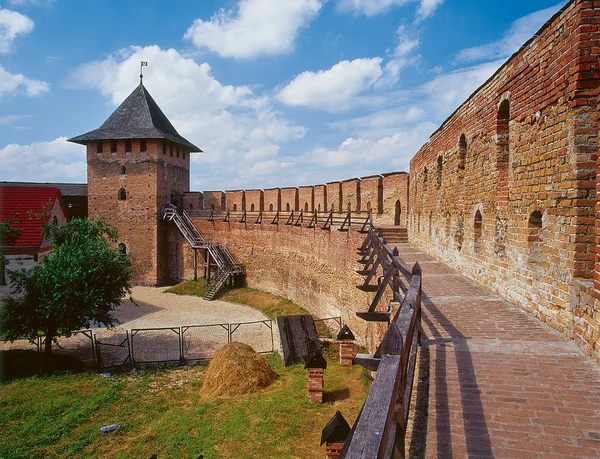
[(503, 140), (440, 165), (397, 212), (477, 230), (430, 223), (252, 207), (462, 152), (123, 170), (271, 207), (319, 207), (306, 207), (534, 236), (122, 194), (425, 174), (234, 207), (122, 249), (212, 207), (287, 206)]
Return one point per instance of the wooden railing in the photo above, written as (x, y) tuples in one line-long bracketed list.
[(380, 429), (342, 221)]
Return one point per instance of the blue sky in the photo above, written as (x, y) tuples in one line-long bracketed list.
[(276, 92)]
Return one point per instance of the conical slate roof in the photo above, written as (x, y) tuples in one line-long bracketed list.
[(138, 117)]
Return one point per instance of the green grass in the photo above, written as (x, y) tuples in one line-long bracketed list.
[(161, 413), (192, 287)]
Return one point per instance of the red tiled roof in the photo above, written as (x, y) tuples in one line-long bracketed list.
[(16, 206)]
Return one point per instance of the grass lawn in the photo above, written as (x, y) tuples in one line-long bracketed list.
[(161, 413)]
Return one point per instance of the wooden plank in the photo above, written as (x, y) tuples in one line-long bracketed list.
[(374, 316), (367, 361), (372, 430)]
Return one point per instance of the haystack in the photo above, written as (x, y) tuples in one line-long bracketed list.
[(236, 369)]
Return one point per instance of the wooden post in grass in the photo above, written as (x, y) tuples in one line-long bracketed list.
[(346, 338), (334, 435), (316, 365)]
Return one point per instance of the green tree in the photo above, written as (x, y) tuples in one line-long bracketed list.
[(8, 237), (76, 286)]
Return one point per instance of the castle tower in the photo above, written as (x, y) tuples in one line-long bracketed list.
[(136, 163)]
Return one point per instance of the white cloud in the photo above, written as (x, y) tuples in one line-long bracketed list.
[(519, 32), (399, 57), (359, 156), (9, 120), (369, 7), (54, 161), (374, 7), (11, 83), (427, 8), (257, 27), (30, 2), (232, 124), (12, 24), (334, 89)]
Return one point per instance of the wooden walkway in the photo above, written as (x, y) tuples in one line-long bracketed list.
[(494, 381)]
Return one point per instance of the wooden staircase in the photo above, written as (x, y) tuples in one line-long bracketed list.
[(394, 234), (228, 267)]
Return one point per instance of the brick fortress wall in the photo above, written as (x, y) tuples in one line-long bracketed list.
[(505, 189)]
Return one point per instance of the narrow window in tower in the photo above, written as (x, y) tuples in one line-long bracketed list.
[(128, 146), (170, 149), (142, 145), (183, 153), (123, 170), (122, 194), (477, 230), (440, 163), (462, 152), (113, 146), (271, 207), (177, 151), (99, 147), (252, 207), (164, 147)]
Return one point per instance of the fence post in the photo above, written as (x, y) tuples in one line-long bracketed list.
[(180, 345), (130, 348)]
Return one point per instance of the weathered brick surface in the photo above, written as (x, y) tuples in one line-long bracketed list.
[(320, 198), (214, 200), (395, 197), (315, 385), (371, 194), (150, 179), (346, 353), (333, 450), (235, 200), (289, 199), (272, 198), (351, 195), (193, 200), (498, 383), (312, 267), (334, 196), (505, 189), (306, 198), (254, 200)]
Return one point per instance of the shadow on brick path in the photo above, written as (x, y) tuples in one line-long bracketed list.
[(494, 382)]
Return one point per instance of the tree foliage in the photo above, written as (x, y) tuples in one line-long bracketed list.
[(8, 237), (76, 286)]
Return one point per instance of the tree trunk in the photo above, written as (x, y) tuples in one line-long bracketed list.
[(48, 344)]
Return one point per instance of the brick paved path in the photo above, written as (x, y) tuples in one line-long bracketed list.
[(501, 384)]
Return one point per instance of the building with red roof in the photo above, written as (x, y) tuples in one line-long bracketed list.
[(27, 209)]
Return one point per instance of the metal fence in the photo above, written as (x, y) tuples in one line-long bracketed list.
[(110, 349)]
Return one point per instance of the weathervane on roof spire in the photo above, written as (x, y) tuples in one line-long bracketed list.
[(142, 65)]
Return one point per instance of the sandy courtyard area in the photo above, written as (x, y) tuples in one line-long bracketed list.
[(149, 307)]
